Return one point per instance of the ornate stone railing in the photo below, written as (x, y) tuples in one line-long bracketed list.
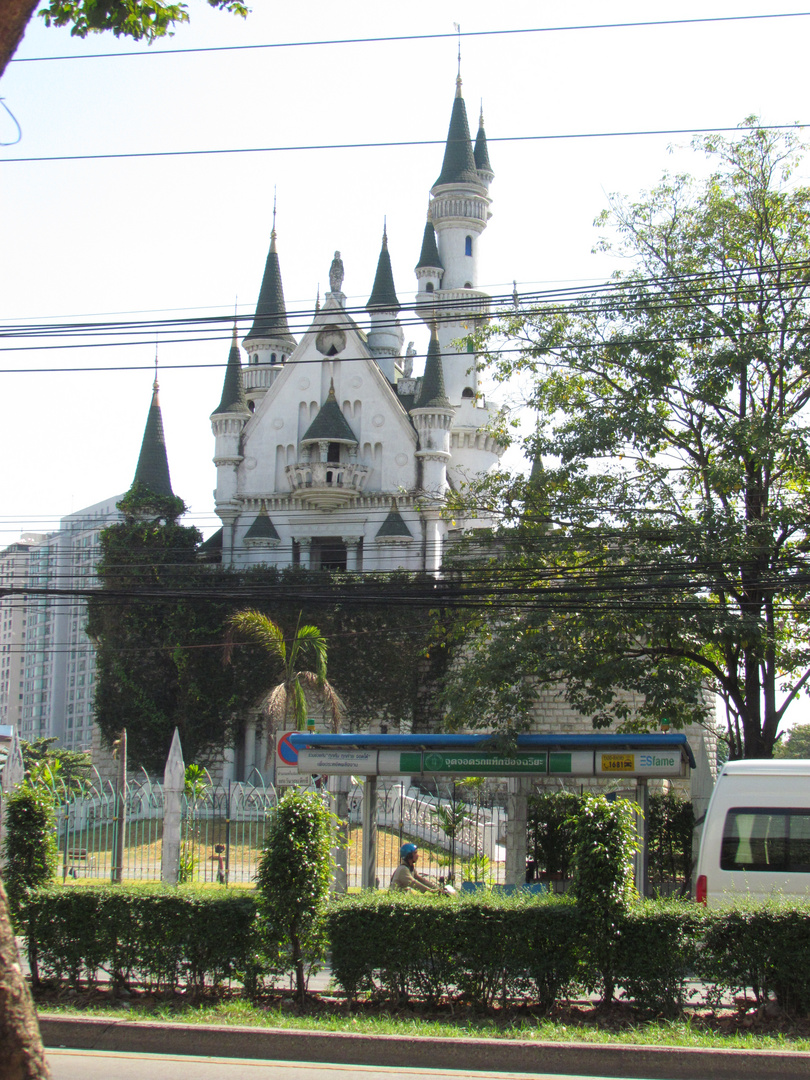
[(327, 483)]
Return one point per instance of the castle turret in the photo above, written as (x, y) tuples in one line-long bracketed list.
[(433, 417), (269, 341), (458, 214), (227, 422), (385, 336)]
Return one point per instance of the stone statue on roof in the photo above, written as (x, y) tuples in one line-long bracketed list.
[(407, 367), (336, 273)]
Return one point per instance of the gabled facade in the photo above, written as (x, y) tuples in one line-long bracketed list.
[(329, 452)]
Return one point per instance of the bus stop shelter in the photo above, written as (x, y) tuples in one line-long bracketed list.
[(639, 758)]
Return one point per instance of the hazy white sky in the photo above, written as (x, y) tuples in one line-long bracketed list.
[(163, 237)]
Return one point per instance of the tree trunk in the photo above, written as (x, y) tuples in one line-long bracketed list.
[(14, 17), (21, 1049)]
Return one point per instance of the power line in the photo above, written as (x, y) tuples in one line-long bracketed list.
[(418, 37), (293, 148)]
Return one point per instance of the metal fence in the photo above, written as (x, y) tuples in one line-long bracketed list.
[(223, 831), (458, 840)]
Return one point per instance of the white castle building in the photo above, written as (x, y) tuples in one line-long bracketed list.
[(329, 453)]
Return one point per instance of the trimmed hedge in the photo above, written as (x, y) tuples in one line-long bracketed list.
[(153, 935), (484, 948)]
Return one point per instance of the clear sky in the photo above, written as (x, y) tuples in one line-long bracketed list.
[(164, 237)]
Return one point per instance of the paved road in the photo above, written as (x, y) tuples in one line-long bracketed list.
[(94, 1065)]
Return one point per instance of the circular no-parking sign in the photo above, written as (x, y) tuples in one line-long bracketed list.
[(287, 754)]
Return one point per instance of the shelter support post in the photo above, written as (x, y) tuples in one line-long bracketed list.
[(368, 878), (340, 853), (516, 817), (643, 826)]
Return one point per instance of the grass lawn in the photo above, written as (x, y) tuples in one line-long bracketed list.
[(574, 1023)]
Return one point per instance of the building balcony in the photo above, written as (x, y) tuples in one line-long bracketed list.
[(327, 484)]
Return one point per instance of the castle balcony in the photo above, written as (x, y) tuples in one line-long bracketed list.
[(327, 485)]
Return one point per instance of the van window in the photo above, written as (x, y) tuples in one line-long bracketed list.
[(762, 838)]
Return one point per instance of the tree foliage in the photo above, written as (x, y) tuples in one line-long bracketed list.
[(158, 622), (29, 845), (293, 881), (142, 20), (657, 554), (795, 744), (288, 698)]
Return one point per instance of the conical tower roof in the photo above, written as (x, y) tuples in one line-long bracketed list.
[(270, 320), (330, 425), (481, 153), (458, 166), (383, 294), (233, 389), (429, 255), (153, 463), (432, 393), (394, 525)]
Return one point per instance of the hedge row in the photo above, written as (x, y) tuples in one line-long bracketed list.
[(486, 949), (155, 936)]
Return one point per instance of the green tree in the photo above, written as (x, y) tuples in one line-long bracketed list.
[(605, 841), (143, 20), (158, 622), (658, 553), (795, 744), (288, 698), (70, 768), (293, 882)]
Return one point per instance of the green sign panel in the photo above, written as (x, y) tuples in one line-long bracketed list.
[(473, 762)]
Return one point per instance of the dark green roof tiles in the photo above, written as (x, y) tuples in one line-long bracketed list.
[(481, 153), (429, 255), (262, 528), (458, 166), (270, 320), (383, 295), (153, 464), (432, 393), (330, 425), (394, 525), (233, 389)]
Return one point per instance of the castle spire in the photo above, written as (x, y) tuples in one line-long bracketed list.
[(233, 398), (152, 470), (383, 294), (458, 166), (270, 321), (432, 394)]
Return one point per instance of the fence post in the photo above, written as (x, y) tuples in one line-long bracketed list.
[(368, 871), (121, 810), (643, 827), (174, 779)]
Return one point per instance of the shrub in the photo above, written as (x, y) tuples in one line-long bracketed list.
[(550, 831), (670, 828), (159, 936), (606, 841), (293, 881), (659, 947)]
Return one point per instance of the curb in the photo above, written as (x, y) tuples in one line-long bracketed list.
[(486, 1055)]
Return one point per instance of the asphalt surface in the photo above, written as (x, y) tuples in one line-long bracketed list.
[(469, 1056), (93, 1065)]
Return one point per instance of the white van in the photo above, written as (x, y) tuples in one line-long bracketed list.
[(756, 837)]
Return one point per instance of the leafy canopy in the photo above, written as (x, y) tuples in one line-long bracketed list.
[(657, 554), (139, 19)]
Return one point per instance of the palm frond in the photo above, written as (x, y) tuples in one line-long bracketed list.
[(257, 627), (276, 706)]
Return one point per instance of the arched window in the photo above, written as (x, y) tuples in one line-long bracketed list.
[(468, 245), (429, 287), (272, 358), (468, 392), (252, 406), (467, 284)]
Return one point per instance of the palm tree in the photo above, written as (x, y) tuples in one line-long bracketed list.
[(288, 698)]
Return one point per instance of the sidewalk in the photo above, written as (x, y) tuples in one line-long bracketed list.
[(486, 1055)]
